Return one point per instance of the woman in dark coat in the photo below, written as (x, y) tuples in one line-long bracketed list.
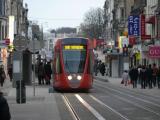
[(48, 72), (2, 75)]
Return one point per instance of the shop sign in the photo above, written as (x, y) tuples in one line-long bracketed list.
[(154, 51)]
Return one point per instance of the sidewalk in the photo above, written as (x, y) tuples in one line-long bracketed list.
[(42, 106)]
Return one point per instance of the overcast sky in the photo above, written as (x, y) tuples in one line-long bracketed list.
[(60, 13)]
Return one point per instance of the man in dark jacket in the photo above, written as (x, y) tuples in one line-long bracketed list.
[(48, 72), (133, 73), (4, 108)]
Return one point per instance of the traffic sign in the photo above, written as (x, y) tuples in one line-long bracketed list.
[(20, 43)]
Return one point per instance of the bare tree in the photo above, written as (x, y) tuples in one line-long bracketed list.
[(92, 27)]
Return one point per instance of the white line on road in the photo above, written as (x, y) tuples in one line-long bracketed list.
[(90, 108), (100, 102)]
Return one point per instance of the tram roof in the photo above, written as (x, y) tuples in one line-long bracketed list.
[(74, 41)]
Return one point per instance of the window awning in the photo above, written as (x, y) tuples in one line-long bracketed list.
[(151, 20)]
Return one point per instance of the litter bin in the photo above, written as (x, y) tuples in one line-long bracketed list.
[(20, 98)]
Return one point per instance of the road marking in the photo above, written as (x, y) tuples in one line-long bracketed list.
[(90, 108), (136, 104), (103, 104), (146, 101)]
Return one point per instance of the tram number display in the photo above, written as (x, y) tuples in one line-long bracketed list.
[(74, 47)]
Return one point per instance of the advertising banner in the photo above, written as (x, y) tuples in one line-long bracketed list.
[(133, 25), (143, 25)]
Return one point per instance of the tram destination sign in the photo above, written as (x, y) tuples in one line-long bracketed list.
[(74, 47)]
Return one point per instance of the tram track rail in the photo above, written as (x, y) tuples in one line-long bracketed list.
[(120, 95), (87, 107), (133, 94), (70, 108), (92, 109)]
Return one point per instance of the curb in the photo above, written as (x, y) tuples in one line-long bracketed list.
[(102, 79)]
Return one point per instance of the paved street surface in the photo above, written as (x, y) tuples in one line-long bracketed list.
[(107, 100)]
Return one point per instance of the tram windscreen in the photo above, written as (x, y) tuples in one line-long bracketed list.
[(74, 58)]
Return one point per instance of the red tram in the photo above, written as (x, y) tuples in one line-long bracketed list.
[(73, 64)]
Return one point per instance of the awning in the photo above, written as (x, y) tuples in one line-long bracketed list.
[(151, 20)]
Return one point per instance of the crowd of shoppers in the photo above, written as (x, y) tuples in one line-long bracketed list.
[(146, 76)]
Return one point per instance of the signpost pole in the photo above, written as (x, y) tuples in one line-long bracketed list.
[(34, 66)]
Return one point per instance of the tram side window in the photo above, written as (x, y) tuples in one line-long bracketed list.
[(58, 66)]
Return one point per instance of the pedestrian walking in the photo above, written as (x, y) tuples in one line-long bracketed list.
[(154, 75), (40, 73), (125, 77), (4, 108), (158, 77), (2, 75), (102, 69), (48, 72), (149, 78), (10, 72), (143, 77), (139, 77), (133, 73), (96, 67)]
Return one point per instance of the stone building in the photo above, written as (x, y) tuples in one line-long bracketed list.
[(3, 19), (116, 24)]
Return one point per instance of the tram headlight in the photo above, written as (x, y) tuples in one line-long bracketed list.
[(79, 77), (69, 77)]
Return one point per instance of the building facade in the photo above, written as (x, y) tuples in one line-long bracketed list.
[(116, 23)]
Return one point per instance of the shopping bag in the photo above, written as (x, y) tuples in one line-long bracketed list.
[(122, 82)]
